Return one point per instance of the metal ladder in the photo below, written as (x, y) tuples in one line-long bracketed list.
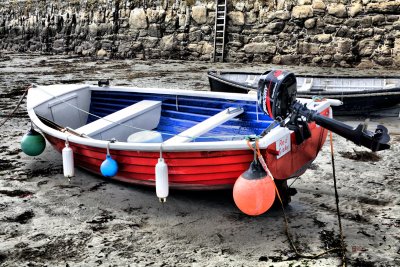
[(219, 31)]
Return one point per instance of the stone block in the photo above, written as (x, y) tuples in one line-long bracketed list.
[(138, 19), (308, 48), (344, 46), (392, 7), (154, 30), (260, 48), (319, 5), (324, 38), (355, 9), (274, 27), (236, 18), (102, 53), (251, 17), (337, 10), (310, 23), (199, 14), (378, 20), (302, 12), (168, 42), (148, 42), (155, 15), (367, 46)]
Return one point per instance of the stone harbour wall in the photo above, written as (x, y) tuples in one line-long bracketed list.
[(346, 33)]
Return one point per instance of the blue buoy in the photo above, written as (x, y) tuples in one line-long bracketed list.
[(33, 143), (109, 167)]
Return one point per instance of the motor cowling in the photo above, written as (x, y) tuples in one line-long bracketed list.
[(277, 91)]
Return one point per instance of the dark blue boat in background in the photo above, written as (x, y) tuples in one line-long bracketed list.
[(360, 95)]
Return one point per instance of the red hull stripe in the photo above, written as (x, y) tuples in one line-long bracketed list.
[(198, 169)]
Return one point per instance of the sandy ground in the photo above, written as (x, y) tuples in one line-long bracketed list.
[(46, 221)]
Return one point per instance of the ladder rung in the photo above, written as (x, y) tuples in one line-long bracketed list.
[(221, 5)]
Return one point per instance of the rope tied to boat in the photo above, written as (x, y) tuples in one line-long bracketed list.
[(256, 149), (10, 115)]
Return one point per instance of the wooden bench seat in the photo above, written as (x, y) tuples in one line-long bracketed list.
[(144, 114), (205, 126)]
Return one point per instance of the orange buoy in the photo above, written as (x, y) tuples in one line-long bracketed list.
[(254, 190)]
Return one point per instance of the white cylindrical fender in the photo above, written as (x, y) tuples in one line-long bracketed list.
[(68, 161), (162, 187)]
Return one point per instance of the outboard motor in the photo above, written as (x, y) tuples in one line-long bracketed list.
[(277, 91), (277, 98)]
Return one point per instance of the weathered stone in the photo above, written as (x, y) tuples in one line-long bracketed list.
[(168, 43), (93, 30), (366, 22), (154, 30), (143, 33), (310, 23), (352, 22), (207, 49), (355, 9), (384, 61), (337, 10), (378, 20), (317, 60), (324, 38), (102, 53), (289, 59), (239, 6), (57, 44), (235, 44), (155, 15), (195, 48), (344, 46), (236, 18), (302, 12), (251, 17), (318, 4), (149, 42), (304, 2), (195, 36), (181, 36), (366, 64), (281, 14), (260, 48), (206, 29), (275, 27), (367, 47), (384, 7), (199, 14), (138, 19), (333, 20), (396, 25), (308, 48)]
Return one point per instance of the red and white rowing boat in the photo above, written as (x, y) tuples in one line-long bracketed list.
[(201, 136)]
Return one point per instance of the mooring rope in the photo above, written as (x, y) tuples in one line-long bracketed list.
[(343, 245), (9, 116), (285, 217)]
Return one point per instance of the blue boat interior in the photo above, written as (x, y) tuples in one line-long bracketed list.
[(182, 112)]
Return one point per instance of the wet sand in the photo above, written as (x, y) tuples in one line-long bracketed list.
[(46, 221)]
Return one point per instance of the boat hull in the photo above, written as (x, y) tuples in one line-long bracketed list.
[(354, 102), (198, 170)]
